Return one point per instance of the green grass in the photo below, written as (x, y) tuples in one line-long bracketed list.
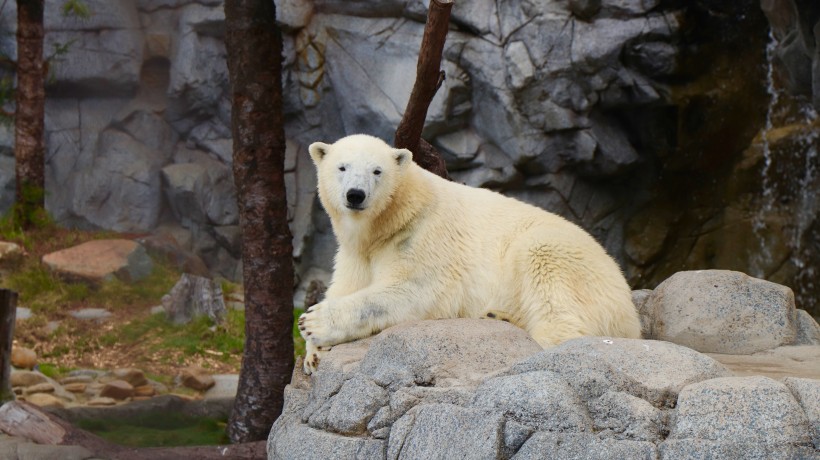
[(52, 370), (45, 292), (298, 341), (158, 430), (193, 338)]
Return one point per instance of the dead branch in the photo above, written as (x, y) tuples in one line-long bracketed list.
[(429, 78)]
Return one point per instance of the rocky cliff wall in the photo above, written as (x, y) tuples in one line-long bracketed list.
[(648, 122)]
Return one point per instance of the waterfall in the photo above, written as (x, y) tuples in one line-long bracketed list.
[(794, 118)]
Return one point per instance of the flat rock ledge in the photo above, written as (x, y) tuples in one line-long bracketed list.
[(469, 388)]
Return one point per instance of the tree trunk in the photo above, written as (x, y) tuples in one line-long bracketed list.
[(8, 313), (429, 78), (29, 145), (254, 47)]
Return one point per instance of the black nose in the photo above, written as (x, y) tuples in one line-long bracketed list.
[(355, 196)]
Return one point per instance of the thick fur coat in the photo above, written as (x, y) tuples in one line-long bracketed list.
[(414, 246)]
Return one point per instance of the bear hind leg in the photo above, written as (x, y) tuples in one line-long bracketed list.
[(498, 315)]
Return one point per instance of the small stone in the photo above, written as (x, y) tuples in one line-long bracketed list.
[(94, 388), (23, 358), (23, 314), (27, 378), (40, 388), (44, 400), (133, 376), (196, 378), (117, 389), (102, 401), (76, 379), (91, 314), (144, 391), (77, 387), (9, 250)]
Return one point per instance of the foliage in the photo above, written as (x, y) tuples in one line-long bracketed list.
[(76, 8), (158, 429), (27, 212)]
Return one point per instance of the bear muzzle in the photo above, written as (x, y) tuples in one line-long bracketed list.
[(355, 199)]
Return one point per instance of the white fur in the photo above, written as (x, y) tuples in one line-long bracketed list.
[(427, 248)]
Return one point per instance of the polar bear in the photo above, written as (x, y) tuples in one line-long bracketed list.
[(414, 246)]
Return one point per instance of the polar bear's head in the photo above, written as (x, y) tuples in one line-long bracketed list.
[(358, 174)]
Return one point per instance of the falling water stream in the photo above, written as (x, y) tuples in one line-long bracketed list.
[(804, 152)]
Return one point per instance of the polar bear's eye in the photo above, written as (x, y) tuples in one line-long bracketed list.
[(341, 168), (377, 172)]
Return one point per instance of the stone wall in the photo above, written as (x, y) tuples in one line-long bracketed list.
[(635, 118)]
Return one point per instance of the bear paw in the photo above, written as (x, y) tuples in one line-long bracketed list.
[(313, 355), (317, 326)]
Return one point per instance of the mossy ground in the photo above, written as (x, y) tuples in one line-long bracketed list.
[(132, 336), (159, 430)]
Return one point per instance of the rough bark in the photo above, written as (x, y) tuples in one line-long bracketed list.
[(254, 46), (429, 78), (8, 314), (27, 421), (29, 144)]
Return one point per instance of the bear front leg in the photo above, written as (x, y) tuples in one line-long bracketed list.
[(313, 356), (363, 313)]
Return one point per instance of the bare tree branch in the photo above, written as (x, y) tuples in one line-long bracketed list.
[(429, 77)]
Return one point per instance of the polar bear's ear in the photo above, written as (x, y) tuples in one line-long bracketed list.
[(402, 156), (318, 150)]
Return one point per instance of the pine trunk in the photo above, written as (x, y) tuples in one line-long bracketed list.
[(29, 144), (254, 48)]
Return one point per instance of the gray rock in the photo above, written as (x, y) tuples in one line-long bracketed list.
[(452, 352), (639, 298), (225, 386), (458, 148), (201, 193), (7, 183), (542, 401), (789, 361), (194, 296), (17, 449), (372, 73), (324, 384), (808, 331), (699, 449), (104, 51), (122, 190), (198, 82), (288, 441), (722, 311), (352, 407), (447, 431), (90, 314), (651, 370), (561, 446), (622, 416), (406, 398), (743, 409), (22, 313), (807, 393)]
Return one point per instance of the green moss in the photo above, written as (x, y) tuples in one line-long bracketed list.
[(52, 370), (158, 429), (298, 341)]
